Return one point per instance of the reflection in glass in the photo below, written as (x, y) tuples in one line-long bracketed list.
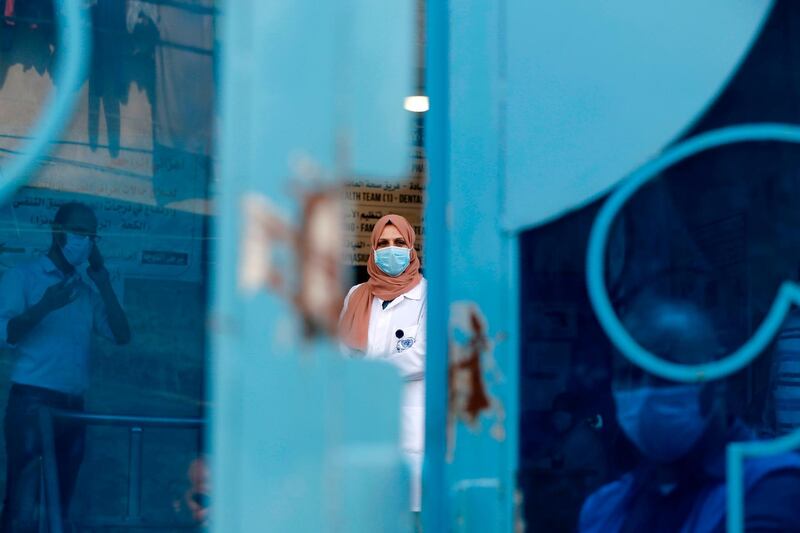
[(116, 220)]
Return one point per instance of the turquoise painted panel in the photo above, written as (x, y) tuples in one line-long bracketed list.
[(382, 75), (302, 439), (332, 77), (474, 259), (435, 499), (596, 89)]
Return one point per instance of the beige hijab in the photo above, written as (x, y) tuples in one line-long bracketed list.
[(354, 324)]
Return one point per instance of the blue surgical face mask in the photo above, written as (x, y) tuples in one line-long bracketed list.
[(663, 422), (76, 249), (393, 259)]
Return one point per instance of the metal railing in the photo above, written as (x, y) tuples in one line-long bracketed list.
[(50, 516)]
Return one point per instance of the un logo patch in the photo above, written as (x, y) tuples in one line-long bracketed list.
[(405, 344)]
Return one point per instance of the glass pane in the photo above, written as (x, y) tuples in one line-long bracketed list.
[(693, 264), (104, 262)]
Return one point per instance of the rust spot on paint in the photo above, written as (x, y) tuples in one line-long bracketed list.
[(467, 387), (319, 247), (471, 361), (300, 262)]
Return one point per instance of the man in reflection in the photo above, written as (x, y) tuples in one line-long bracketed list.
[(681, 432), (49, 309)]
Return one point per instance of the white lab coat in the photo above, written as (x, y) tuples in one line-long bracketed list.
[(405, 315)]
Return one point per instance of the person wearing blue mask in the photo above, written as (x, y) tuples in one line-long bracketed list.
[(681, 432), (384, 319), (48, 312)]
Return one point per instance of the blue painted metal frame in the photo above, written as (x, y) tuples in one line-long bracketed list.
[(74, 42), (737, 453), (135, 424), (788, 294), (471, 261), (435, 507), (295, 446)]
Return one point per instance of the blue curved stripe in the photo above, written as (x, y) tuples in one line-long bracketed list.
[(72, 58), (788, 294), (595, 262)]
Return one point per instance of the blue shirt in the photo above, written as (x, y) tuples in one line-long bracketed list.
[(785, 375), (696, 503), (55, 353)]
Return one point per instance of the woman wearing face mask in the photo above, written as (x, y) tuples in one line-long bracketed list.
[(384, 319), (681, 432)]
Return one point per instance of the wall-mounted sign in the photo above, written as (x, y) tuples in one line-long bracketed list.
[(367, 200)]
